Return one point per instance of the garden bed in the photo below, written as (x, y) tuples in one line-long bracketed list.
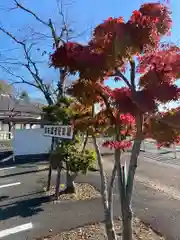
[(97, 232), (84, 191)]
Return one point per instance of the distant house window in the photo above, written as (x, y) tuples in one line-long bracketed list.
[(18, 126)]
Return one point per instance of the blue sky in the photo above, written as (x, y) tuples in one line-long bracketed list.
[(82, 17)]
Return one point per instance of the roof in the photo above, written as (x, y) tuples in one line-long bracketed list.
[(8, 103)]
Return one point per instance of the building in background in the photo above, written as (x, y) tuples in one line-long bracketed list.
[(18, 113)]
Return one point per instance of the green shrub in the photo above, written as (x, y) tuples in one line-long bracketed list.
[(71, 158)]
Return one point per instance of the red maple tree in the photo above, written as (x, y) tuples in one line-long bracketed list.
[(115, 47)]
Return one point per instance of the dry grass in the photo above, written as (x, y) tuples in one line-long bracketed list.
[(97, 232)]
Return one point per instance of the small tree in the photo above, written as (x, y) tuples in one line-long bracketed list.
[(24, 96), (117, 46), (57, 113), (67, 155), (103, 122)]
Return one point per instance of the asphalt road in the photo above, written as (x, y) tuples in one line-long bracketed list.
[(156, 198), (23, 206), (149, 149)]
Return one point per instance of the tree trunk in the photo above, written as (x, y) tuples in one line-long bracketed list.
[(58, 182), (50, 168), (125, 205), (104, 193), (126, 186), (70, 185), (127, 222), (49, 177), (111, 235), (109, 212), (133, 159), (126, 199), (85, 142), (111, 186), (48, 97)]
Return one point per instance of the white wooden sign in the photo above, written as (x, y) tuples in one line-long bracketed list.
[(59, 131)]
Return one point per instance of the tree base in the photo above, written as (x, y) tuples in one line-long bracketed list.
[(68, 190)]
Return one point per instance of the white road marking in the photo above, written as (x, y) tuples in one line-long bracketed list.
[(8, 168), (6, 159), (17, 229), (10, 185)]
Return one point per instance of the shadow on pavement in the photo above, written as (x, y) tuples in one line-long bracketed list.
[(3, 198), (166, 152), (172, 151), (20, 160), (22, 173), (24, 208)]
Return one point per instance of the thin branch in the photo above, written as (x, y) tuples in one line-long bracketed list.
[(47, 24), (17, 76), (60, 11), (53, 32), (18, 5), (16, 62), (133, 69), (119, 74), (11, 36), (31, 65), (7, 50), (111, 185), (27, 56), (30, 47), (12, 63), (23, 45), (41, 35), (107, 104)]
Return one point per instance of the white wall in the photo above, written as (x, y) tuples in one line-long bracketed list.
[(18, 126), (30, 141), (6, 127), (28, 126), (36, 126)]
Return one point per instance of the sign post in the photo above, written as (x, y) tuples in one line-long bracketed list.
[(61, 132)]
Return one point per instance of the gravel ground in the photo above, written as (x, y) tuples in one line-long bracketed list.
[(97, 232), (84, 191)]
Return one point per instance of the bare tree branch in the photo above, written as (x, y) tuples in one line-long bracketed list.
[(121, 75), (30, 64), (11, 36), (133, 72), (47, 24), (18, 5), (34, 72), (65, 28), (19, 77)]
